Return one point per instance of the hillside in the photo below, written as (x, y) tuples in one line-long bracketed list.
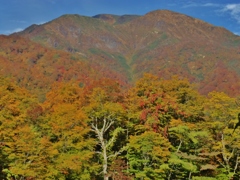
[(161, 42), (36, 67)]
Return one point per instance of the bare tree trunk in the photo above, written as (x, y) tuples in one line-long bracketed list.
[(179, 146), (100, 135), (105, 163), (190, 175), (227, 157)]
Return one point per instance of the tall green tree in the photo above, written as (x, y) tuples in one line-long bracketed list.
[(188, 139), (148, 156), (221, 115)]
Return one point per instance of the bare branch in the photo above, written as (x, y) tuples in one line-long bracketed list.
[(236, 165), (108, 124), (114, 155), (104, 125), (221, 163), (237, 101), (179, 146), (231, 155), (223, 149)]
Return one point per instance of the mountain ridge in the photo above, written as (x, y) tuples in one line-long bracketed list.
[(160, 42)]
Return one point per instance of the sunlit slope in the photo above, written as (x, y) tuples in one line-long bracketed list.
[(161, 42)]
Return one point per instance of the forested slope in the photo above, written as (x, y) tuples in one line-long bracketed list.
[(159, 129), (36, 67)]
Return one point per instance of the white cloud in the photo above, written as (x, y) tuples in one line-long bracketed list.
[(12, 31), (234, 10), (7, 32), (236, 33), (40, 23), (190, 4), (211, 5), (17, 30)]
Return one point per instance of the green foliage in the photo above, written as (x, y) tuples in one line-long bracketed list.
[(147, 155), (203, 177), (175, 160), (154, 45)]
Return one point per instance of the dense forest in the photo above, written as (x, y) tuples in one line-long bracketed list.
[(157, 129)]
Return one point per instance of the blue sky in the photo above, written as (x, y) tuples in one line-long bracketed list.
[(16, 15)]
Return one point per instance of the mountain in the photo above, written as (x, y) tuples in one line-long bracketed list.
[(160, 42)]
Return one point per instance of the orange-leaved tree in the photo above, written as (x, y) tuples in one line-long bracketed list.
[(19, 138), (65, 126)]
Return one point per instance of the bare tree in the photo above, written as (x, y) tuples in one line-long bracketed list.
[(106, 144)]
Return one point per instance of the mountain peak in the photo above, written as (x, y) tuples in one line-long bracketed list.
[(115, 19), (161, 12), (172, 16), (185, 24), (107, 18)]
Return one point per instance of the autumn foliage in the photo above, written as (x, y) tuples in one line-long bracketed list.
[(158, 129)]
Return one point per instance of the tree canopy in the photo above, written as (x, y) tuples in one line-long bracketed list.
[(157, 129)]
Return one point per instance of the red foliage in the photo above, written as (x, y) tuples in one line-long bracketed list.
[(144, 115)]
